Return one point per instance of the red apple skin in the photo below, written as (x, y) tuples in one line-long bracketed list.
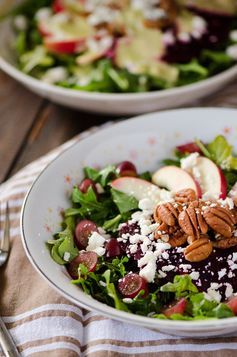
[(58, 6), (223, 184), (64, 47), (232, 304), (189, 147), (178, 308)]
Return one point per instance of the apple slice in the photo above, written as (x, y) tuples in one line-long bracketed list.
[(211, 178), (64, 46), (137, 188), (189, 147), (174, 178)]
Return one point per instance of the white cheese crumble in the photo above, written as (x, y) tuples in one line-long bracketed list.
[(232, 51), (99, 188), (168, 267), (146, 204), (96, 244), (227, 202), (233, 35), (127, 300), (66, 256), (213, 293), (194, 275), (185, 267), (229, 290), (103, 233), (43, 14), (221, 273), (20, 22), (148, 262), (184, 37), (55, 75), (234, 256), (189, 162)]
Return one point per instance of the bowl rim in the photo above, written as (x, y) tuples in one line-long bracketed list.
[(14, 72), (102, 308)]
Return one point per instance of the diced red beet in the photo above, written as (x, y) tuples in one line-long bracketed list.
[(126, 168), (131, 285), (232, 304), (177, 308), (89, 259), (189, 148), (85, 184), (113, 248), (82, 232)]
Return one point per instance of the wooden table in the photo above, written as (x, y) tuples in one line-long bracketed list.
[(31, 126)]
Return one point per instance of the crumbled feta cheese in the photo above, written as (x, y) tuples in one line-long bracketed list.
[(149, 269), (232, 51), (184, 37), (96, 244), (166, 196), (185, 267), (102, 283), (168, 38), (233, 35), (127, 300), (213, 293), (162, 274), (66, 256), (199, 25), (221, 273), (165, 255), (99, 188), (133, 248), (168, 267), (227, 202), (229, 290), (194, 275), (55, 75), (234, 256), (20, 22), (103, 233), (189, 162), (43, 14), (146, 204)]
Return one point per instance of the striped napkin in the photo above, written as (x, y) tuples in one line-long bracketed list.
[(44, 324)]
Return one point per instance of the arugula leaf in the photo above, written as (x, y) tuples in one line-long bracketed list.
[(221, 311), (112, 224), (171, 162), (108, 173), (220, 150), (111, 291), (145, 176), (125, 203), (91, 173), (67, 244), (182, 286)]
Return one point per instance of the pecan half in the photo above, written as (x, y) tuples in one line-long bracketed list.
[(165, 230), (224, 243), (185, 196), (177, 241), (199, 250), (170, 12), (220, 220), (167, 213), (191, 220)]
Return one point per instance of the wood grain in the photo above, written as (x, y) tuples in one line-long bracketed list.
[(18, 108), (53, 126)]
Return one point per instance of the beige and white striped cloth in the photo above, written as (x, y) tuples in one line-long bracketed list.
[(44, 324)]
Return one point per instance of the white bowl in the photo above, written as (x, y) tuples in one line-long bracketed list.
[(128, 103), (145, 140)]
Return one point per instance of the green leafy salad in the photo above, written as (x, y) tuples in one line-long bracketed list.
[(125, 46), (159, 244)]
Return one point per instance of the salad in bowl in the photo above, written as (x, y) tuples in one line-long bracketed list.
[(160, 244), (126, 46)]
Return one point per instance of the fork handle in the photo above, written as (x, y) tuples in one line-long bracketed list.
[(6, 342)]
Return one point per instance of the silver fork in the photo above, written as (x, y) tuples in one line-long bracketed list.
[(6, 340)]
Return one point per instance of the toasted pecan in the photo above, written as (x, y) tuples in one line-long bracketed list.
[(199, 250)]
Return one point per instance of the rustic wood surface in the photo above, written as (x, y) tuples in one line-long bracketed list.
[(31, 126)]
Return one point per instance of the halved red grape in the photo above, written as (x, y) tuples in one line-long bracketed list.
[(126, 168), (85, 184), (189, 148), (82, 232), (89, 259), (232, 304), (177, 308), (131, 285), (113, 248)]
